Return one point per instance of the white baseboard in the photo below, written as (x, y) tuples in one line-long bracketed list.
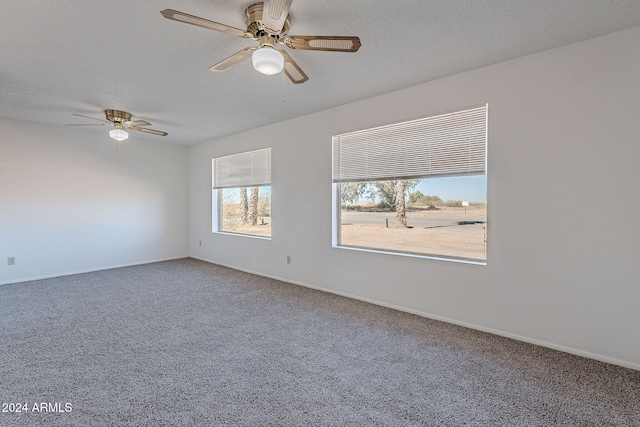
[(570, 350), (71, 273)]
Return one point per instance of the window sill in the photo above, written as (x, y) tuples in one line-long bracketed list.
[(253, 236), (411, 255)]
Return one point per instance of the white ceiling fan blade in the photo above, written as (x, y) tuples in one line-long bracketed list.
[(327, 43), (293, 70), (152, 131), (201, 22), (89, 124), (233, 59), (274, 14)]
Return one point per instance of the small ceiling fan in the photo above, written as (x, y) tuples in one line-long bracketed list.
[(268, 23), (121, 121)]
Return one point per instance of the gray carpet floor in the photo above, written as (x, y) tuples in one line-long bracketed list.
[(188, 343)]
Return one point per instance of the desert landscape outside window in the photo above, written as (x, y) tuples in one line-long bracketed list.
[(416, 187), (242, 193)]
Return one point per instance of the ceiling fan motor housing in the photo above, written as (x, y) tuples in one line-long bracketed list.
[(255, 25), (117, 116)]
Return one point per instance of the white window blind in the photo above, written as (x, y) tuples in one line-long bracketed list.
[(251, 169), (447, 144)]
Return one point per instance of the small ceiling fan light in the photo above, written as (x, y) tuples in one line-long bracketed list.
[(118, 133), (267, 60)]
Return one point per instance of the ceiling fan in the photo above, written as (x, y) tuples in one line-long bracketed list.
[(121, 121), (268, 23)]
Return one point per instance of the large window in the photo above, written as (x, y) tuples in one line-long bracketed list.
[(242, 193), (416, 187)]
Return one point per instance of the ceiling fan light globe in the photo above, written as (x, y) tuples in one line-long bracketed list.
[(267, 60), (118, 134)]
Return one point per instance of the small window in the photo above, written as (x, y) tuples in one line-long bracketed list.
[(416, 187), (242, 193)]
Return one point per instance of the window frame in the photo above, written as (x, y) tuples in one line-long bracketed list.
[(336, 237), (262, 178)]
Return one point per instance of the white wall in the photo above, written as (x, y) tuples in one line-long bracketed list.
[(70, 203), (564, 146)]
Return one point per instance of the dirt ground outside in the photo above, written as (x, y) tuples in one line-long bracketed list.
[(231, 222), (448, 232)]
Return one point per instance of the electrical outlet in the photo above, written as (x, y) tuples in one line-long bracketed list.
[(288, 259), (11, 260)]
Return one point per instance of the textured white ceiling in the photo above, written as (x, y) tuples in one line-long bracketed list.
[(59, 57)]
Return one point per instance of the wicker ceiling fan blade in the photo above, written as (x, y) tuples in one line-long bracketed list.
[(92, 118), (137, 123), (292, 69), (234, 59), (152, 131), (204, 23), (327, 43), (275, 14)]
